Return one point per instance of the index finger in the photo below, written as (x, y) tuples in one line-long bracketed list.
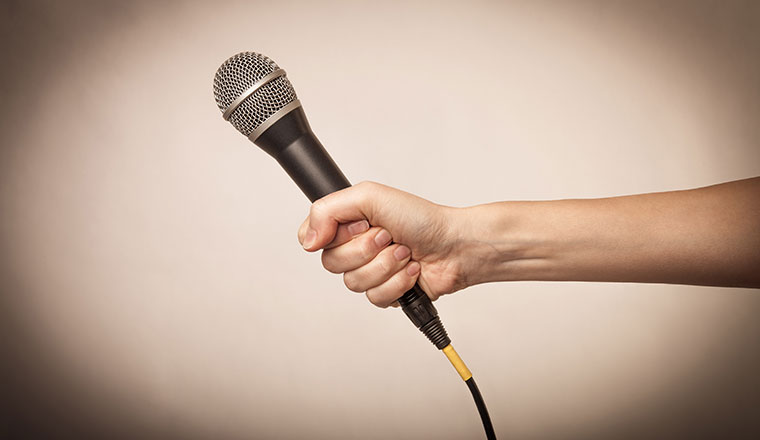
[(347, 231), (347, 205)]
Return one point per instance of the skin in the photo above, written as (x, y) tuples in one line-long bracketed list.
[(705, 236)]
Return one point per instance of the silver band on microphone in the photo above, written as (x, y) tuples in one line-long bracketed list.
[(243, 96), (272, 119)]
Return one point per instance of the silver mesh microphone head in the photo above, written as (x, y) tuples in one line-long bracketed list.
[(250, 89)]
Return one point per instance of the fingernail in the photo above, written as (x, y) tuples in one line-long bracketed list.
[(413, 268), (383, 237), (311, 237), (401, 252), (357, 228)]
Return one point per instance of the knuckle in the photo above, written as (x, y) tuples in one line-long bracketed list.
[(374, 298), (402, 283), (385, 265), (329, 263), (367, 185), (351, 283), (367, 249), (317, 207)]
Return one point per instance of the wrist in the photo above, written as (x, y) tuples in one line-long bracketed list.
[(499, 242)]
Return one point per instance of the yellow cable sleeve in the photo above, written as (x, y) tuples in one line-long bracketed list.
[(457, 362)]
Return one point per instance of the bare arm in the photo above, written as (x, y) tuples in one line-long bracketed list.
[(705, 236)]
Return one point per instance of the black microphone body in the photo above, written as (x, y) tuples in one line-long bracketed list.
[(292, 143)]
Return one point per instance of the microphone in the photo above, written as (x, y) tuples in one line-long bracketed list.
[(254, 94)]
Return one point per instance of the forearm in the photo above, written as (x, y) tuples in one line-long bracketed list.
[(707, 236)]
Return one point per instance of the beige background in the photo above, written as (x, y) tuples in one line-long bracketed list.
[(153, 287)]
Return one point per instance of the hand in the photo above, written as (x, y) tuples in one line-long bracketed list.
[(410, 239)]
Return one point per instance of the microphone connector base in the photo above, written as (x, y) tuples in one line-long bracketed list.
[(420, 310)]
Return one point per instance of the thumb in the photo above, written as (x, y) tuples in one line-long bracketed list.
[(326, 214)]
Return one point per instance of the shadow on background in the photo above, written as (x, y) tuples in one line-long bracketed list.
[(43, 398)]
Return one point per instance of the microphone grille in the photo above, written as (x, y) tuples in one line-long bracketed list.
[(239, 73)]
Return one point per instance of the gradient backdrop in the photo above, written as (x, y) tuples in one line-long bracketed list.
[(152, 283)]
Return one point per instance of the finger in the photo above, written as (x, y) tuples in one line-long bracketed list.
[(344, 206), (391, 290), (389, 261), (348, 231), (302, 230), (357, 252), (344, 233)]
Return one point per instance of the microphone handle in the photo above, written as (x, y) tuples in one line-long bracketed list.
[(292, 143)]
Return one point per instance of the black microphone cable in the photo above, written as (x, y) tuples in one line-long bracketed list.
[(423, 314), (254, 94), (466, 375)]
